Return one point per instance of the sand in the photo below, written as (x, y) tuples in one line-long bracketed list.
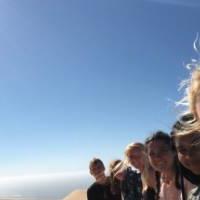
[(77, 195)]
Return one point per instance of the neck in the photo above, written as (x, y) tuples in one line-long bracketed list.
[(168, 176), (101, 179)]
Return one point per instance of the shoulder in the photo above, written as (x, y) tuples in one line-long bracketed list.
[(188, 185), (92, 187), (132, 173), (130, 170), (93, 191)]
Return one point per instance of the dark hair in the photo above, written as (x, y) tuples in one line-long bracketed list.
[(95, 161), (160, 135), (165, 138), (157, 175)]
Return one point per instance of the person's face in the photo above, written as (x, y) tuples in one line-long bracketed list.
[(160, 156), (197, 106), (97, 170), (136, 158), (120, 175), (188, 149)]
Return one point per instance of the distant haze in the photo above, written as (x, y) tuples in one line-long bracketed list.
[(43, 187)]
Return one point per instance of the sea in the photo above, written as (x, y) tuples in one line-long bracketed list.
[(43, 187)]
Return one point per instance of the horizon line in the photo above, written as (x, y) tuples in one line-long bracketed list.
[(44, 175)]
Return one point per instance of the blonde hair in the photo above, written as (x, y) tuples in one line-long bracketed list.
[(121, 166), (194, 90), (191, 88), (132, 146), (192, 85), (146, 174), (186, 125), (113, 164)]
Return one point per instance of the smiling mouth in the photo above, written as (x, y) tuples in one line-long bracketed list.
[(161, 166)]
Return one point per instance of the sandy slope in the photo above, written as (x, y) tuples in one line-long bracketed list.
[(77, 195)]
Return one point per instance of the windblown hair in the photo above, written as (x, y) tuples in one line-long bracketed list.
[(114, 183), (131, 147), (191, 85), (187, 124), (160, 135), (184, 126), (192, 91), (148, 181)]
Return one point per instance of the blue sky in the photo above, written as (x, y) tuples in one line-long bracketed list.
[(84, 78)]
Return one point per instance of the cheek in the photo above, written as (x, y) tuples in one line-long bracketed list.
[(152, 162), (169, 160), (182, 159), (197, 108), (119, 176), (133, 162), (196, 159)]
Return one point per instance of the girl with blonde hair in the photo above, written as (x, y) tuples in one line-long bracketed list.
[(134, 174), (187, 145), (186, 131)]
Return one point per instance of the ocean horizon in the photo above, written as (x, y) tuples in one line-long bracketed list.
[(43, 187)]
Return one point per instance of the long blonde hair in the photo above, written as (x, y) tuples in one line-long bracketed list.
[(191, 88), (192, 91), (130, 147), (146, 174)]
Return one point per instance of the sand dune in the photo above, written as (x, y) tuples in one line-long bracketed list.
[(77, 195)]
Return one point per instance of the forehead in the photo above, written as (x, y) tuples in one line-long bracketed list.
[(188, 139), (96, 164), (134, 150), (156, 144)]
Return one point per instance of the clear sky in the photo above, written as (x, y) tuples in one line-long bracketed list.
[(84, 78)]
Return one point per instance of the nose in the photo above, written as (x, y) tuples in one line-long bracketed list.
[(186, 157), (157, 158)]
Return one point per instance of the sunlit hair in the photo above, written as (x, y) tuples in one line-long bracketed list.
[(114, 182), (191, 85), (120, 166), (133, 146), (187, 124), (192, 91), (113, 164), (148, 173)]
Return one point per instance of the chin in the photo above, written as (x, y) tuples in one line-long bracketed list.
[(195, 171)]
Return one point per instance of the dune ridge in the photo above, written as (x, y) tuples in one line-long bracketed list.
[(77, 195)]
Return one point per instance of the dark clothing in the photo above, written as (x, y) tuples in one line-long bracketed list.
[(115, 188), (99, 191), (149, 194), (131, 186), (116, 197), (193, 178)]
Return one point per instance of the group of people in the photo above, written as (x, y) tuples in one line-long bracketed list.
[(165, 167)]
